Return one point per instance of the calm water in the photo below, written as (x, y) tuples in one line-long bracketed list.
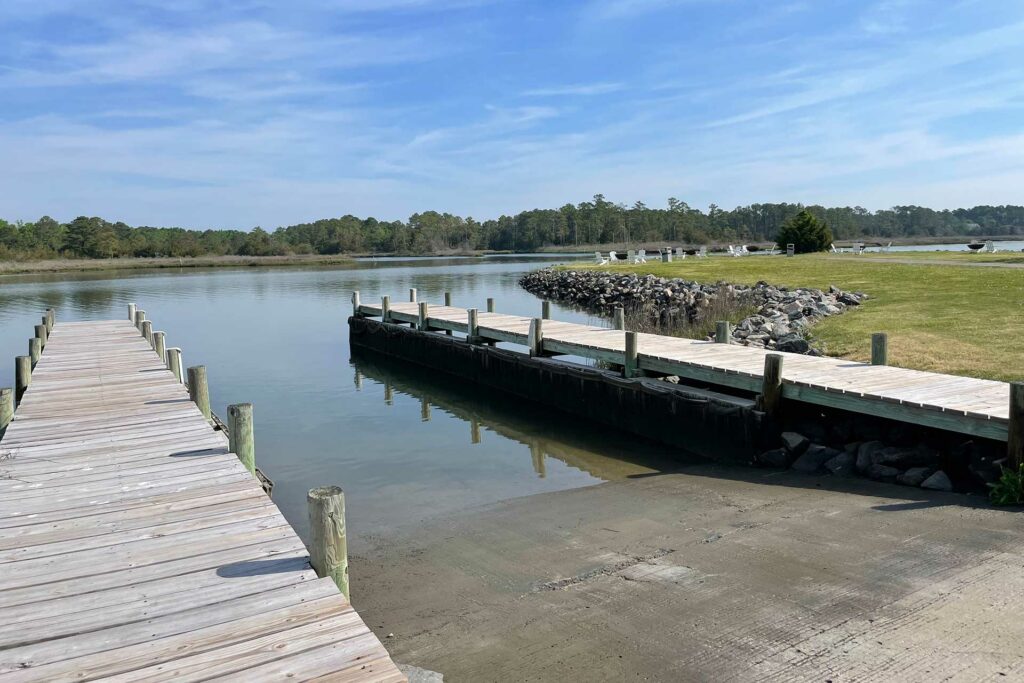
[(401, 441), (960, 246)]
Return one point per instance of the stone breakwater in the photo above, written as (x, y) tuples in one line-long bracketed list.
[(781, 322)]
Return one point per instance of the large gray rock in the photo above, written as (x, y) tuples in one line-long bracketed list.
[(778, 457), (866, 453), (794, 442), (938, 482), (883, 473), (843, 465), (903, 458), (915, 476), (792, 343), (814, 458)]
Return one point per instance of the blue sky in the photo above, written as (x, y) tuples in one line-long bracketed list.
[(203, 113)]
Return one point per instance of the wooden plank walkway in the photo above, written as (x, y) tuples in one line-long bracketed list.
[(961, 404), (134, 546)]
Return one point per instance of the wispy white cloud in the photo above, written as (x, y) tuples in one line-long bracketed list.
[(574, 90)]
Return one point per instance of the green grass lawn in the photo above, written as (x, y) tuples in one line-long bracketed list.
[(940, 317)]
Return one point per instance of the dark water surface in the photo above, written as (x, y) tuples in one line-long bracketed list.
[(404, 443)]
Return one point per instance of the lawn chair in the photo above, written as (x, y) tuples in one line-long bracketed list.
[(641, 256), (990, 247), (858, 248), (885, 249), (598, 259), (703, 253), (744, 251), (613, 256), (834, 250)]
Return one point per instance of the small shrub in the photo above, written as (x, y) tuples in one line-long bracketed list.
[(1009, 490), (805, 232)]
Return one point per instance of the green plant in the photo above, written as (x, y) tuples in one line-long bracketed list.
[(805, 232), (1009, 490)]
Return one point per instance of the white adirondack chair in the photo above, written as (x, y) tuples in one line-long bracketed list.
[(733, 251), (613, 256), (834, 250), (743, 250), (598, 259), (990, 247), (703, 253), (641, 256)]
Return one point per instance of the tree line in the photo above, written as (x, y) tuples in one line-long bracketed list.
[(574, 225)]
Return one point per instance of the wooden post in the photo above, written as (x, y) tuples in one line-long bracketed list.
[(631, 368), (174, 362), (50, 320), (473, 335), (722, 332), (131, 312), (389, 394), (139, 317), (22, 376), (355, 303), (424, 310), (771, 384), (412, 295), (35, 349), (159, 344), (198, 389), (41, 335), (545, 309), (619, 318), (6, 407), (490, 305), (474, 431), (535, 338), (447, 298), (328, 545), (385, 309), (147, 331), (879, 348), (424, 409), (1015, 432), (241, 441)]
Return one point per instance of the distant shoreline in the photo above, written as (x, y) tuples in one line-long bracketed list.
[(85, 265)]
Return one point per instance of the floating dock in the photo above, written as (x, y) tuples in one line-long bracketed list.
[(966, 405), (134, 545)]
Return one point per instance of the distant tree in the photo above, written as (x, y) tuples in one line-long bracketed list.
[(805, 232)]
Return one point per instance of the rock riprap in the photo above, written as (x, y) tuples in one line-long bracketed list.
[(781, 322)]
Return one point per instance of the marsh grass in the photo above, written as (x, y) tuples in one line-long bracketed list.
[(700, 325)]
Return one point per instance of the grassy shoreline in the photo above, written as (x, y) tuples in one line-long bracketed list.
[(939, 317)]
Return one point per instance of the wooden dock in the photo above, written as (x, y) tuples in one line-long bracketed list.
[(960, 404), (135, 546)]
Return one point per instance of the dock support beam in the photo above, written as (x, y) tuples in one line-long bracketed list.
[(385, 309), (879, 348), (35, 349), (545, 310), (535, 339), (147, 331), (131, 312), (619, 318), (771, 385), (41, 335), (473, 333), (328, 544), (6, 408), (631, 367), (198, 389), (1015, 432), (447, 303), (241, 441), (22, 376), (159, 345), (174, 362), (722, 332), (424, 311), (355, 303)]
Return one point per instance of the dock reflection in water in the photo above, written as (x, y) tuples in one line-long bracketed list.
[(604, 454)]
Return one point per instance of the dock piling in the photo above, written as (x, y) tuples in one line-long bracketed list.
[(131, 312), (447, 303), (535, 339), (50, 319), (35, 349), (22, 376), (139, 317), (619, 318), (412, 295), (6, 408), (240, 435), (545, 309), (490, 305), (147, 331), (355, 303), (722, 332), (631, 366), (424, 309), (328, 544), (41, 335), (879, 348), (159, 345), (771, 384), (473, 334), (1015, 433), (174, 362), (198, 389)]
